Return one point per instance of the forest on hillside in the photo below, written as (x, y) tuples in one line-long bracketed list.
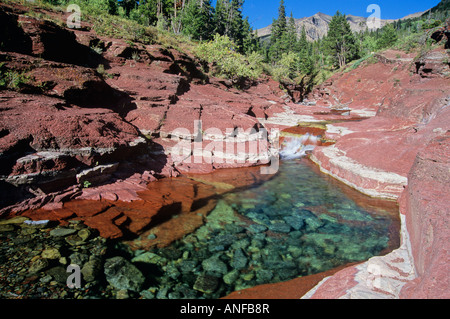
[(224, 38)]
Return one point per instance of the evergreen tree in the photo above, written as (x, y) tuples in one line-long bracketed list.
[(306, 60), (340, 43), (220, 17), (237, 24), (279, 38), (196, 19), (279, 27), (302, 42), (292, 34), (388, 37), (251, 42), (146, 13), (128, 5), (113, 6), (228, 20)]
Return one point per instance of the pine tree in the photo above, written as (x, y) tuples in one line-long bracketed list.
[(279, 27), (250, 42), (303, 41), (340, 43), (145, 14), (237, 23), (292, 34), (228, 20), (196, 19), (128, 5), (388, 37), (279, 37), (220, 17), (306, 60)]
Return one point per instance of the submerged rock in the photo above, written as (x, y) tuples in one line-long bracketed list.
[(231, 277), (122, 274), (295, 222), (51, 253), (91, 270), (206, 284), (61, 232), (239, 260), (214, 264), (150, 258), (279, 226), (38, 265)]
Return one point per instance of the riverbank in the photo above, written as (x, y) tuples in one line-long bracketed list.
[(406, 143)]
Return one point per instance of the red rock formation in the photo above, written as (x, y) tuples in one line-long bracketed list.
[(82, 108), (408, 138), (428, 195), (152, 209), (401, 153), (76, 115)]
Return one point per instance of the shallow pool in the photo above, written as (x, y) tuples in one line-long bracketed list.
[(300, 222)]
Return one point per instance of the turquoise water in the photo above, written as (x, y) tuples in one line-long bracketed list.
[(298, 223)]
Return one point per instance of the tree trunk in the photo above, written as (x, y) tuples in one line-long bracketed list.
[(175, 9)]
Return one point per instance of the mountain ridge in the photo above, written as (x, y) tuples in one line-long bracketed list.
[(316, 26)]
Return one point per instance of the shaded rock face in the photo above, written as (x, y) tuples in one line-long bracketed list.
[(428, 195), (13, 37), (433, 64), (44, 39)]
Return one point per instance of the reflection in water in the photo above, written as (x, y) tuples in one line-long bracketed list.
[(298, 223)]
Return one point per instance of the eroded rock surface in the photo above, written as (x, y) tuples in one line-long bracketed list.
[(140, 105), (122, 105)]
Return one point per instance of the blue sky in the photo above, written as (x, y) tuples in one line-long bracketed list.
[(261, 12)]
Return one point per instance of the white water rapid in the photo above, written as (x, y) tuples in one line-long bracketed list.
[(296, 147)]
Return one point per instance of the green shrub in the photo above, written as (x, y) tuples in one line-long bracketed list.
[(86, 184), (431, 24), (221, 52), (357, 63), (286, 69), (388, 37), (11, 79), (117, 27)]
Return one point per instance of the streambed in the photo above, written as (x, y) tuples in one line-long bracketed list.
[(295, 223), (298, 223)]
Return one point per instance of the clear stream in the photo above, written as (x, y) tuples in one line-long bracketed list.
[(298, 223), (295, 223)]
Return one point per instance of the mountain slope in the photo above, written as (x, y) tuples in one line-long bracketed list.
[(316, 26), (443, 6)]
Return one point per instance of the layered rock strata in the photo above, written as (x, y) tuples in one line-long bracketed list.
[(85, 111), (401, 153)]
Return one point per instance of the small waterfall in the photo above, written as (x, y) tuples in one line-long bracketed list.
[(296, 147)]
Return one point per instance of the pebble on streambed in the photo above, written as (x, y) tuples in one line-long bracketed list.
[(35, 255), (244, 242)]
